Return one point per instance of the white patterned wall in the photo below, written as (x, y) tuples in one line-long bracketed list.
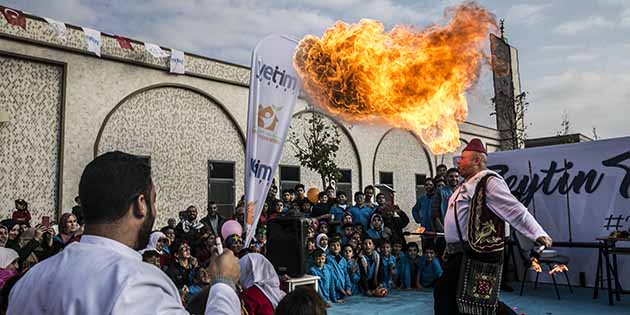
[(29, 143)]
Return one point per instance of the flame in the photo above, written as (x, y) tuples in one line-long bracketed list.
[(558, 269), (421, 230), (535, 265), (409, 78)]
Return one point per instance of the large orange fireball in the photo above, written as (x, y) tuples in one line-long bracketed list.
[(407, 77)]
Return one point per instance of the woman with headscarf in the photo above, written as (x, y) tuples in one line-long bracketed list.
[(13, 230), (261, 286), (322, 242), (68, 232), (377, 230), (8, 265), (4, 235), (157, 241)]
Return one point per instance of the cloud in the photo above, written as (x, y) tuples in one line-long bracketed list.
[(592, 99), (591, 23), (527, 13), (582, 57)]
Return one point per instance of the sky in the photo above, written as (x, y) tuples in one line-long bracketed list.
[(573, 54)]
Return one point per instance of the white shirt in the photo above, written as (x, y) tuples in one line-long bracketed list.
[(499, 199), (223, 300), (95, 276)]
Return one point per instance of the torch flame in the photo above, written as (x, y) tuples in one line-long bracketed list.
[(408, 78), (535, 265), (421, 230), (558, 269)]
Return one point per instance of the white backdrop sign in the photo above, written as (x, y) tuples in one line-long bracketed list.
[(577, 192)]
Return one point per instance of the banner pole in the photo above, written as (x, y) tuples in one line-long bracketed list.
[(568, 203)]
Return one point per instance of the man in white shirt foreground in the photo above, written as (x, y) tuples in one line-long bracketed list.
[(104, 274), (474, 228)]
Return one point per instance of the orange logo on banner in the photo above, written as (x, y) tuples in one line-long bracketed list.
[(250, 212), (267, 118)]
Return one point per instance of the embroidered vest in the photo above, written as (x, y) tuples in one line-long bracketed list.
[(486, 230)]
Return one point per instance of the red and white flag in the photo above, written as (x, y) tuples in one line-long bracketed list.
[(124, 42), (14, 17)]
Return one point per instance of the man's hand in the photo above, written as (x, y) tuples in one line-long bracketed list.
[(39, 233), (348, 292), (545, 240), (226, 266)]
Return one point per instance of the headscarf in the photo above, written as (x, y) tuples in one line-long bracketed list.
[(153, 240), (319, 238), (9, 223), (380, 228), (6, 228), (257, 270), (7, 256)]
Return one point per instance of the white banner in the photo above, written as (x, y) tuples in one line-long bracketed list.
[(155, 50), (58, 27), (578, 192), (178, 62), (93, 39), (273, 90)]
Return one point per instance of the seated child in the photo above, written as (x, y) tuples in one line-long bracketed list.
[(412, 274), (339, 265), (389, 265), (354, 275), (347, 230), (326, 278), (430, 269), (152, 257), (401, 263), (371, 269), (376, 229)]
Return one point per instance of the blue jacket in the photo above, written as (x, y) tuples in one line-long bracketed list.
[(445, 194), (429, 272), (326, 282), (389, 274), (404, 271), (422, 211), (340, 272), (361, 215), (354, 277)]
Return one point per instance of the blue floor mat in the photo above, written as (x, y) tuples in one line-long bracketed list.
[(542, 301)]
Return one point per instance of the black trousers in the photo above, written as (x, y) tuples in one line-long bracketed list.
[(445, 292)]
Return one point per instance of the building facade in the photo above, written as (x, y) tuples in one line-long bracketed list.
[(67, 106)]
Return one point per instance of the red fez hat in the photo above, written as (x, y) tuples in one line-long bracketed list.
[(476, 146)]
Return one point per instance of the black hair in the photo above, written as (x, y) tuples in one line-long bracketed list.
[(341, 193), (111, 183), (384, 241), (358, 193), (427, 247), (441, 166), (321, 194), (166, 228), (451, 170), (368, 187), (150, 254), (412, 244), (347, 225), (302, 301), (429, 179), (318, 252), (298, 186), (284, 191)]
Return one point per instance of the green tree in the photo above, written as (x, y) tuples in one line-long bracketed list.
[(315, 143)]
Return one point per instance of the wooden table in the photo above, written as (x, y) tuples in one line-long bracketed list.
[(608, 248), (293, 283)]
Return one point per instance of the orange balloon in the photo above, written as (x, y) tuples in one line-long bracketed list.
[(312, 194)]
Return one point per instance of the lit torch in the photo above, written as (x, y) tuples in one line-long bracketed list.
[(535, 265), (558, 269), (408, 78)]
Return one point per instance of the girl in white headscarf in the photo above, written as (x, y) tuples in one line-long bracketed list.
[(322, 242), (261, 286), (8, 264), (157, 241)]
